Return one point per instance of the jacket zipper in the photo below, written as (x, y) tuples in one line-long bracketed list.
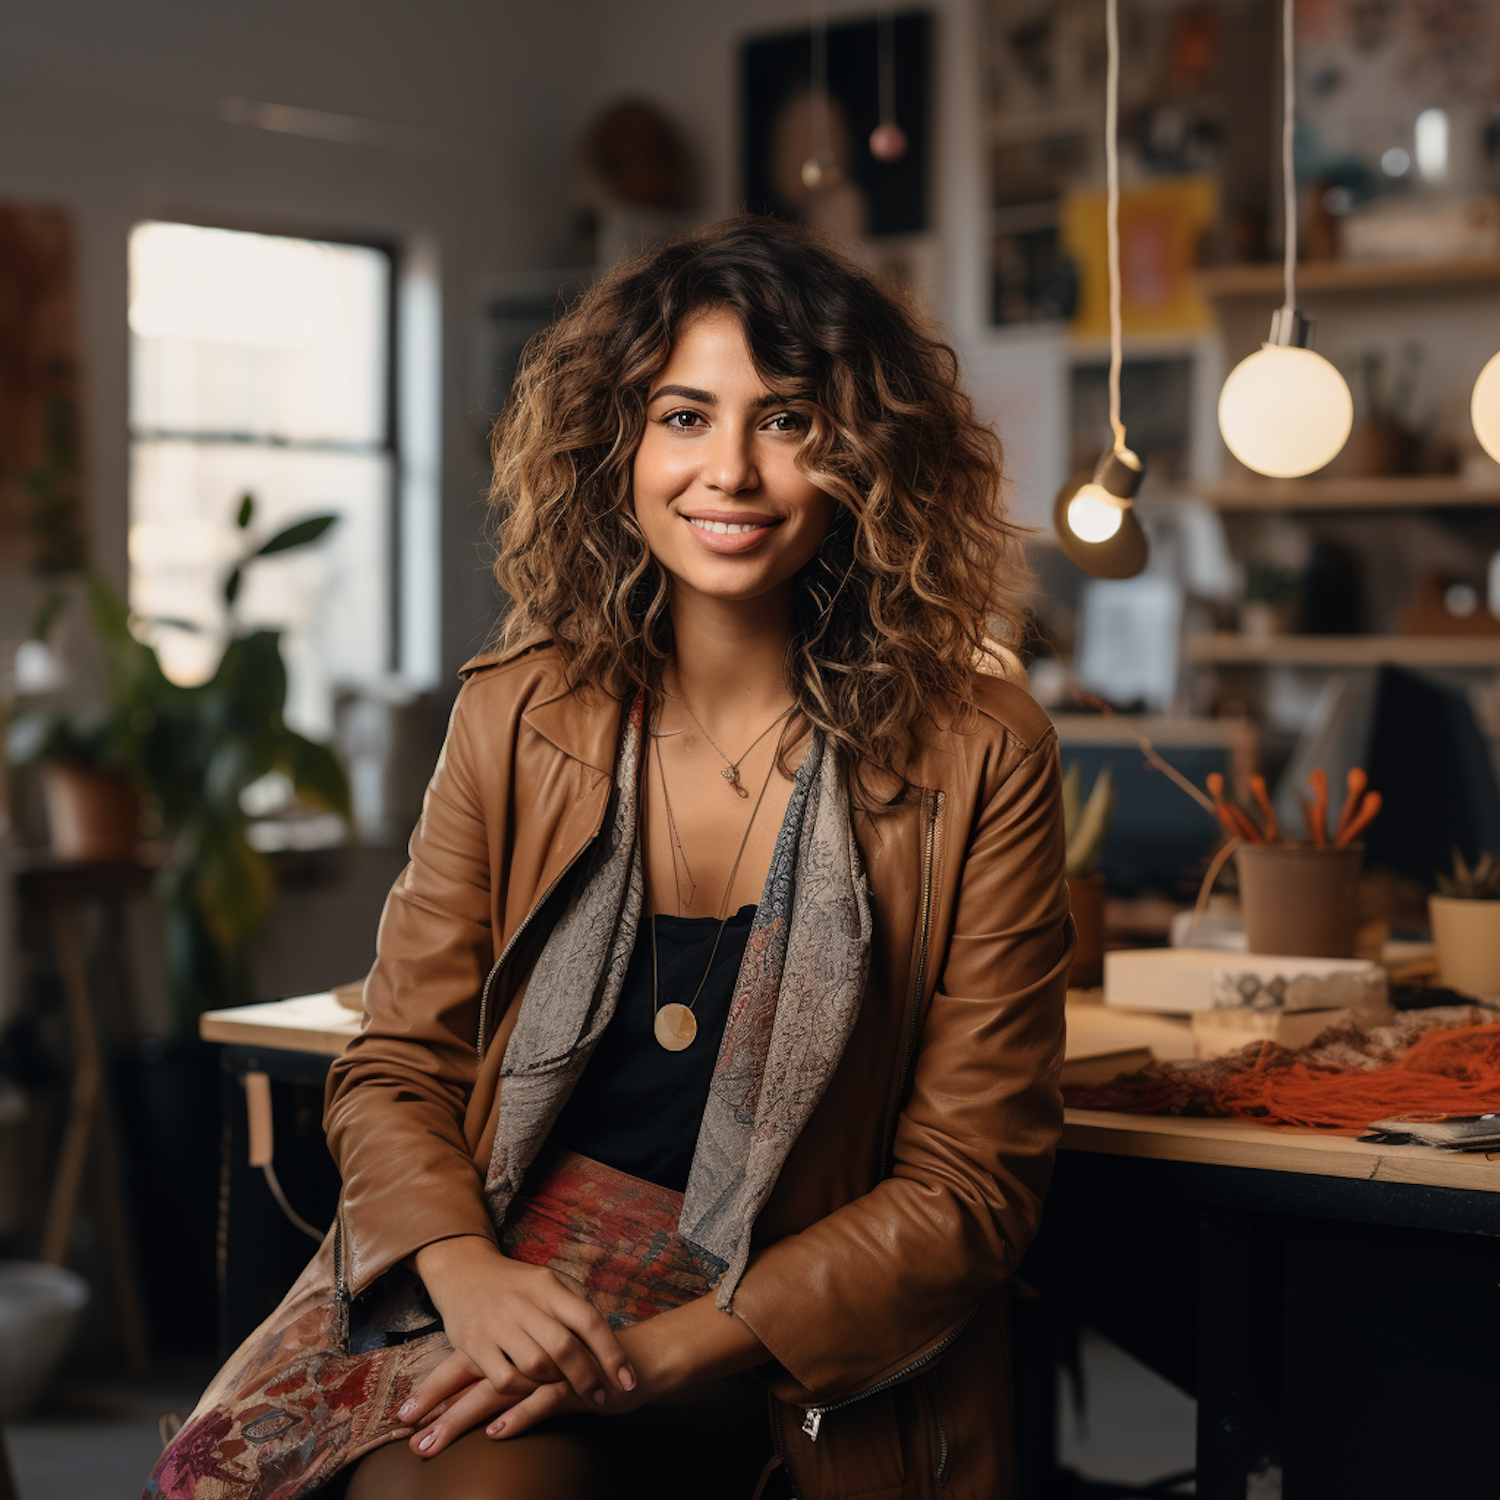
[(942, 1427), (340, 1279), (812, 1421), (924, 927), (499, 963)]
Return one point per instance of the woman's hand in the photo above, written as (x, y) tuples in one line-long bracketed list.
[(518, 1327)]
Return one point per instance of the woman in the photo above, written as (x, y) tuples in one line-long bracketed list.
[(708, 1089)]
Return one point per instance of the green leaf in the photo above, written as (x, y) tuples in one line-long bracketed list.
[(232, 585), (298, 534), (111, 618), (315, 771), (246, 511)]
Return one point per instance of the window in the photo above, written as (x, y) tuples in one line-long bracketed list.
[(264, 364)]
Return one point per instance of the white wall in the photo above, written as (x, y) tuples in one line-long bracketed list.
[(112, 111)]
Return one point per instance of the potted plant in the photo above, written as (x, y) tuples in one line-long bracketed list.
[(1271, 595), (93, 807), (1465, 916), (1086, 826), (188, 753), (1299, 897)]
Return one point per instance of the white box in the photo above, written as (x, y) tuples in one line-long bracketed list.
[(1181, 980)]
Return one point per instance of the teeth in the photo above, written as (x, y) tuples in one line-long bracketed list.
[(722, 528)]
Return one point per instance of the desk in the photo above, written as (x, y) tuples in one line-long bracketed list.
[(1334, 1307)]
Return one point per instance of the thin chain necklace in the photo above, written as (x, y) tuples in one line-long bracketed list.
[(675, 1024), (676, 848), (731, 771)]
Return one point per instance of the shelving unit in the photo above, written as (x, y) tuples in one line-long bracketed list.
[(1349, 276), (1385, 492), (1228, 649)]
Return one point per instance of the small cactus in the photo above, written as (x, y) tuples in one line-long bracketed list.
[(1479, 882), (1086, 823)]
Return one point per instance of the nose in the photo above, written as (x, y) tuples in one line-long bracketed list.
[(729, 463)]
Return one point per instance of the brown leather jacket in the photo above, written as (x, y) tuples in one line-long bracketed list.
[(916, 1185)]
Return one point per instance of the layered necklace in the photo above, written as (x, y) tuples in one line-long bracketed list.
[(675, 1023)]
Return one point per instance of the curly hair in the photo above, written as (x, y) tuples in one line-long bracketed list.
[(917, 583)]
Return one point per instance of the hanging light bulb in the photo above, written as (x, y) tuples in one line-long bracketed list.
[(1285, 411), (1093, 514), (821, 170), (1095, 521), (888, 139), (1484, 408)]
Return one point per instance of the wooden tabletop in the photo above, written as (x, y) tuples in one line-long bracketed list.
[(319, 1024)]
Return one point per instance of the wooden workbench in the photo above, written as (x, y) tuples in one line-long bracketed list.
[(1332, 1306), (318, 1024)]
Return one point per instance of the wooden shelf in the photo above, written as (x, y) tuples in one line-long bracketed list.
[(1349, 276), (1345, 650), (1386, 492)]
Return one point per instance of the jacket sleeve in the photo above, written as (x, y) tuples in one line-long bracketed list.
[(396, 1099), (859, 1294)]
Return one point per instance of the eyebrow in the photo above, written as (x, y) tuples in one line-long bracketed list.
[(707, 398)]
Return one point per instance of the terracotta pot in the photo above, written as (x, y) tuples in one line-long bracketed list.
[(1299, 900), (92, 815), (1086, 892), (1467, 934)]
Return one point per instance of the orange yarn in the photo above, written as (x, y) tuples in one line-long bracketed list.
[(1449, 1071)]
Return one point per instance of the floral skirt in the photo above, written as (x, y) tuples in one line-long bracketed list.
[(303, 1398)]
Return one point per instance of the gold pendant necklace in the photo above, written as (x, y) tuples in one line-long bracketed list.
[(675, 1025), (731, 771)]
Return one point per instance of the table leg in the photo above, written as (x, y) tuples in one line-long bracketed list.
[(88, 1120), (1239, 1356), (83, 1102)]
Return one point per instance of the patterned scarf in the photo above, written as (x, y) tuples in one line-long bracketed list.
[(794, 1005)]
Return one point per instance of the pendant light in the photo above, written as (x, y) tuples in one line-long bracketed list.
[(887, 140), (1285, 410), (1484, 408), (1093, 515), (820, 171)]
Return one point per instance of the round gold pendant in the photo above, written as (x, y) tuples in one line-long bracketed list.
[(676, 1026)]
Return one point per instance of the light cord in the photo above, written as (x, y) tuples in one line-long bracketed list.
[(887, 44), (822, 136), (1288, 166), (1112, 209)]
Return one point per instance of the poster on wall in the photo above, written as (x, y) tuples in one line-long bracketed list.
[(880, 207), (41, 486)]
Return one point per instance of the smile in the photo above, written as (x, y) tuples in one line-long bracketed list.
[(727, 528), (729, 534)]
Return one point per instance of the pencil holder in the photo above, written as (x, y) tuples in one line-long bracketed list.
[(1297, 899)]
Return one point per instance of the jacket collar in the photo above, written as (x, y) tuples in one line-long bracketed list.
[(584, 723)]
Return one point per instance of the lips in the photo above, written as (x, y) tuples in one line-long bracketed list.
[(729, 532)]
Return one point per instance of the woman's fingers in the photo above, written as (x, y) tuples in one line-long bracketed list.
[(591, 1328), (444, 1380), (546, 1401), (475, 1405)]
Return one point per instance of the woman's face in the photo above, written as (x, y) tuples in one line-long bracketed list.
[(718, 494)]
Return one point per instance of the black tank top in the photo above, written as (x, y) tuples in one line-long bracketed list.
[(637, 1107)]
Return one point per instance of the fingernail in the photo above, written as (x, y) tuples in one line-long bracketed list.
[(627, 1378), (495, 1429), (409, 1410), (427, 1441), (600, 1398)]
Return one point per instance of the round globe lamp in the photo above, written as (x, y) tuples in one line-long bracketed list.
[(1484, 408), (1285, 411)]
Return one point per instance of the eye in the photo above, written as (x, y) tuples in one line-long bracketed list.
[(786, 421), (683, 421)]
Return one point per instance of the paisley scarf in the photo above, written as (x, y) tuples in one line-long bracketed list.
[(794, 1005)]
